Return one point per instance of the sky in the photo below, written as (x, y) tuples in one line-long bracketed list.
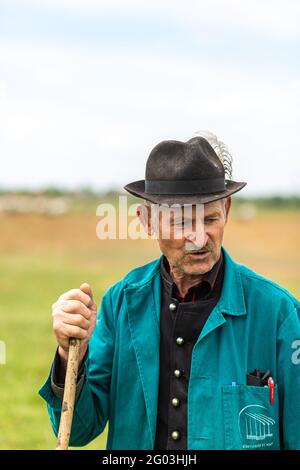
[(89, 87)]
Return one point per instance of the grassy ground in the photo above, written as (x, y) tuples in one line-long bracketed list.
[(41, 257)]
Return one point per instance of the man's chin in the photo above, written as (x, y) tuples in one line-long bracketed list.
[(198, 267)]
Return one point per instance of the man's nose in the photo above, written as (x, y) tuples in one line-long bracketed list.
[(199, 239)]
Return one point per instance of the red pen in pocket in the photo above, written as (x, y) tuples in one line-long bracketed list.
[(271, 387)]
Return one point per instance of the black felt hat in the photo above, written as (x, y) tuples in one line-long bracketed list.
[(184, 173)]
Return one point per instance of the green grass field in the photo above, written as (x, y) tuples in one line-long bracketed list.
[(42, 256)]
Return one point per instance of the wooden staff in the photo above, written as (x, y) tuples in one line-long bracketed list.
[(65, 425)]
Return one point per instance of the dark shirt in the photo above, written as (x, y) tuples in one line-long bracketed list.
[(181, 323)]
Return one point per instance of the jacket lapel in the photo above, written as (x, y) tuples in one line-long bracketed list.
[(231, 301), (143, 307)]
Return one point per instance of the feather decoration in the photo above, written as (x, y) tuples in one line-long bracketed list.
[(221, 150)]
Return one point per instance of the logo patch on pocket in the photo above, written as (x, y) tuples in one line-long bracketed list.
[(256, 427)]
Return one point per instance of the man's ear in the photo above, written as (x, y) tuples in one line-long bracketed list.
[(144, 214), (227, 207)]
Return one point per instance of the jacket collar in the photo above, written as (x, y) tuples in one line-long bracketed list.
[(231, 301)]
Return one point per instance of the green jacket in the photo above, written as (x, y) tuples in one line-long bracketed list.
[(255, 324)]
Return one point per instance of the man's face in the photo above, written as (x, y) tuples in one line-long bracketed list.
[(187, 252)]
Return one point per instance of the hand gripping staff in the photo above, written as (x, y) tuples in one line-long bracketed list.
[(66, 418)]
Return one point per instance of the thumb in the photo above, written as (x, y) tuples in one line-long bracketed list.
[(86, 288)]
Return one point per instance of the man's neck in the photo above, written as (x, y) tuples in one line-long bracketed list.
[(184, 281)]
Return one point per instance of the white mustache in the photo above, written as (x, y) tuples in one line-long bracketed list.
[(194, 248)]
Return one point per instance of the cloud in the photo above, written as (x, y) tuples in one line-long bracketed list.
[(264, 17), (74, 113), (77, 117)]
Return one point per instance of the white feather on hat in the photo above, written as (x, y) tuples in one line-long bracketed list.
[(221, 150)]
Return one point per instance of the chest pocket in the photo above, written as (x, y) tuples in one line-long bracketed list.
[(250, 420)]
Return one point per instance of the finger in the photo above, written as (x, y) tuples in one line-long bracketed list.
[(86, 288), (72, 331), (76, 320), (76, 294), (75, 307)]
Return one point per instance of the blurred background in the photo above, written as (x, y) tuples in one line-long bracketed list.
[(87, 88)]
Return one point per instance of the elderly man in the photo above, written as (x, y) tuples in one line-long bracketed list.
[(192, 350)]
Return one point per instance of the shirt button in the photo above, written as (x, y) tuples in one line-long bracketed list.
[(179, 341), (175, 402), (177, 373), (175, 435), (172, 307)]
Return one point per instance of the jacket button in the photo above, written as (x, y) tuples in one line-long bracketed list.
[(175, 402), (175, 435), (177, 373), (172, 307), (179, 341)]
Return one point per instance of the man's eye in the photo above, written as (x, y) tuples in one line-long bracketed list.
[(211, 219)]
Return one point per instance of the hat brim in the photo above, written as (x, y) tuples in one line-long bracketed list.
[(137, 188)]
